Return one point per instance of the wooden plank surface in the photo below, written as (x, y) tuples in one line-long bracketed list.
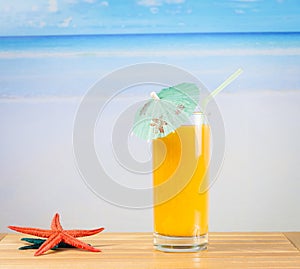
[(294, 238), (135, 250), (1, 236)]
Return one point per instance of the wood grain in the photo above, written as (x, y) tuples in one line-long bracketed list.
[(135, 250), (1, 236), (294, 238)]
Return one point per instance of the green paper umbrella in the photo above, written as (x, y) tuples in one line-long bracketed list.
[(166, 111)]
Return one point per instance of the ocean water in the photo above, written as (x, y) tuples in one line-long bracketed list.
[(43, 66)]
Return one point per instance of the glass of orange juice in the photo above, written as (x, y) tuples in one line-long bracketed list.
[(180, 180)]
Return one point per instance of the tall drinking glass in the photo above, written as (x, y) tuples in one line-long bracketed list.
[(180, 176)]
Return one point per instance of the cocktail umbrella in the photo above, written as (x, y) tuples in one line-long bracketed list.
[(166, 111)]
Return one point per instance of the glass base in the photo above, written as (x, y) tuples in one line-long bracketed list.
[(180, 243)]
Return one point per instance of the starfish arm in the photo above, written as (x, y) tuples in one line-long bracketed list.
[(81, 233), (51, 242), (37, 242), (77, 243), (55, 225), (33, 246), (33, 240), (32, 231)]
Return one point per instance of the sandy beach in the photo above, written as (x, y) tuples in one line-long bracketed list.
[(39, 174)]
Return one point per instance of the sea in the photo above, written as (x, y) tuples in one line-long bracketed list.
[(67, 66)]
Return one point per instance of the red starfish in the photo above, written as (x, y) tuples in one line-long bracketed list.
[(57, 234)]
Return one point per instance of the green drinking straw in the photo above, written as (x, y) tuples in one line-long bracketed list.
[(220, 88), (211, 96)]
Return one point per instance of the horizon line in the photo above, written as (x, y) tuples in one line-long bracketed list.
[(155, 33)]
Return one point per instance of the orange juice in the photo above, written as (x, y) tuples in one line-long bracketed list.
[(181, 159)]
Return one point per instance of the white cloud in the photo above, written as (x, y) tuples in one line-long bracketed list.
[(34, 8), (52, 6), (7, 8), (239, 11), (149, 3), (154, 10), (246, 1), (65, 23), (175, 1), (241, 6), (71, 1), (155, 3), (36, 24), (42, 24), (104, 4), (30, 23)]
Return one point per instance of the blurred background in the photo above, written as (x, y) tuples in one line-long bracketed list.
[(53, 51)]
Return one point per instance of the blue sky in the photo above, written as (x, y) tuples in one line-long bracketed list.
[(47, 17)]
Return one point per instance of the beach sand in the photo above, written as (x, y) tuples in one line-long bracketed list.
[(257, 189)]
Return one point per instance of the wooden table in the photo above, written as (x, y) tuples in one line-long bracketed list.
[(134, 250)]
